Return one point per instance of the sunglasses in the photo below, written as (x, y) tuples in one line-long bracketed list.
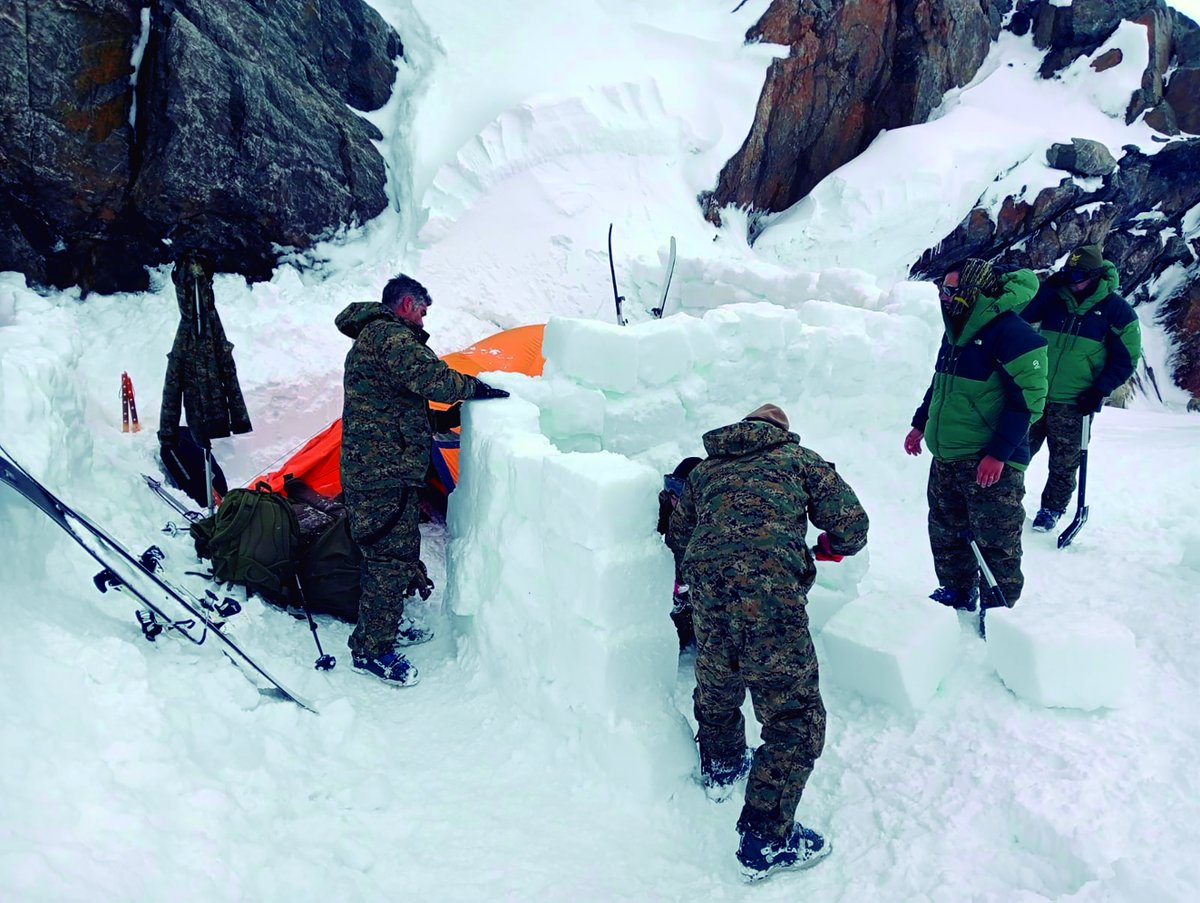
[(673, 484), (1078, 274)]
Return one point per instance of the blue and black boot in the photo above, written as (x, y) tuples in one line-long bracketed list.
[(761, 857), (718, 778), (1046, 519), (390, 666), (961, 599)]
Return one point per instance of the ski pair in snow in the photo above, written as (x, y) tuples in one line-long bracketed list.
[(619, 299)]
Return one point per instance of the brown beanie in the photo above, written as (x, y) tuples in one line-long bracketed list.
[(769, 413)]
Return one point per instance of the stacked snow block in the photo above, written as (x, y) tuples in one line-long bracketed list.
[(563, 587), (639, 389), (896, 650), (1062, 659)]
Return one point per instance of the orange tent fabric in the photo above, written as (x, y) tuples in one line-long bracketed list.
[(318, 462)]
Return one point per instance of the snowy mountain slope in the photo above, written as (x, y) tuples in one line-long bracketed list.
[(156, 772)]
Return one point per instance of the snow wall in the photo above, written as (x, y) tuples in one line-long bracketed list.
[(560, 582)]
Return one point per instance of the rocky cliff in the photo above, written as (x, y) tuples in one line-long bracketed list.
[(238, 135)]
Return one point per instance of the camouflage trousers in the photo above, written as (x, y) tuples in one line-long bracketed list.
[(752, 634), (386, 528), (995, 515), (1061, 429)]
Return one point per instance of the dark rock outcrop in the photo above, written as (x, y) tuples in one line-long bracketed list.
[(1082, 156), (855, 68), (242, 141)]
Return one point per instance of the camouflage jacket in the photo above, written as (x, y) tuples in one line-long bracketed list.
[(390, 375), (757, 492), (201, 377)]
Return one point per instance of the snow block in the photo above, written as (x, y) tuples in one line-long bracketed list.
[(836, 585), (1063, 660), (611, 587), (896, 650), (600, 499), (571, 410), (635, 423), (1191, 552), (600, 355), (664, 351)]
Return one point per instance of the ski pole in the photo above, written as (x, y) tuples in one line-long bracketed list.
[(324, 661), (994, 590), (1081, 511)]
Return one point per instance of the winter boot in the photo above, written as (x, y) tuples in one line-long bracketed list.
[(719, 778), (390, 666), (962, 599), (1046, 519), (761, 858), (410, 633), (681, 617)]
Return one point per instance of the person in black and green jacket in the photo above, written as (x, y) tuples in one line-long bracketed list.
[(989, 385), (1094, 341)]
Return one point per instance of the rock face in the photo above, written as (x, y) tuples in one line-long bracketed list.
[(1140, 213), (860, 66), (242, 137), (855, 68)]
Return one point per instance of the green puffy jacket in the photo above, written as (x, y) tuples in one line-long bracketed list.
[(989, 383), (1092, 342), (390, 375), (756, 493)]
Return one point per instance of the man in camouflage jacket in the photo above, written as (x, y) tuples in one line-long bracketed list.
[(387, 438), (1094, 342), (738, 534), (989, 385)]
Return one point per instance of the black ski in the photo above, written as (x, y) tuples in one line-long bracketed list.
[(66, 518), (1081, 512), (662, 301), (617, 296)]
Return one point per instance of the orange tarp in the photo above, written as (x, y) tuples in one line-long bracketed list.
[(317, 463)]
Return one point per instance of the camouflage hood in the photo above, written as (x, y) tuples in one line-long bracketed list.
[(746, 437), (357, 316)]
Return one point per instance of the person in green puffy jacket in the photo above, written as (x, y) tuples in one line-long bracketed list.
[(1094, 342), (391, 374), (989, 385)]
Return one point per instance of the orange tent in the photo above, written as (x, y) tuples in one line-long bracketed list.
[(317, 463)]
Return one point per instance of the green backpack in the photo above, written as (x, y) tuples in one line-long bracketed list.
[(253, 540), (331, 572)]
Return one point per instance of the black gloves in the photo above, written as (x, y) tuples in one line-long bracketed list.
[(447, 420), (420, 584), (1090, 400), (484, 392)]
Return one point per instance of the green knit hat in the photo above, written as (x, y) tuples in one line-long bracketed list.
[(1088, 258)]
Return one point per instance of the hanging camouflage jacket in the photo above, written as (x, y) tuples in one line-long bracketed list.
[(756, 493), (201, 376), (390, 375)]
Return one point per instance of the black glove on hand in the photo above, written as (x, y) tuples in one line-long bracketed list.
[(447, 420), (485, 391), (420, 584), (1090, 400)]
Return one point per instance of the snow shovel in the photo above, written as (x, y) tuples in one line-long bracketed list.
[(1081, 512)]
